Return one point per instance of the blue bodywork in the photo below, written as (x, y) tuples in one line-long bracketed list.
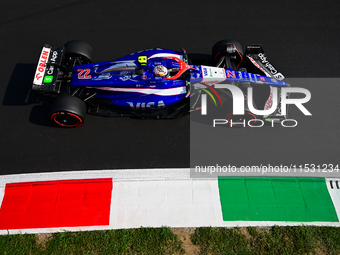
[(119, 81), (130, 82)]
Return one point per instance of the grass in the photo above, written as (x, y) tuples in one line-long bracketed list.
[(251, 240), (133, 241), (274, 240), (18, 244)]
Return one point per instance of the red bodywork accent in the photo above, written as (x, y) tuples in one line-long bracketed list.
[(84, 73), (231, 74), (182, 68)]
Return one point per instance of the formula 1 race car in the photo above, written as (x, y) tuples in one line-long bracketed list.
[(156, 83)]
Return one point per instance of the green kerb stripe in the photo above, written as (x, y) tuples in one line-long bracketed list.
[(276, 199)]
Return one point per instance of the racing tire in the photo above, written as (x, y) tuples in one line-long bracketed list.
[(68, 111), (78, 49), (219, 50)]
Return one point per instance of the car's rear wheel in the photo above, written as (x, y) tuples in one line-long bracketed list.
[(68, 111), (230, 48), (78, 50)]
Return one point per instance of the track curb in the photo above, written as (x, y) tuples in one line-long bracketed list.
[(145, 198)]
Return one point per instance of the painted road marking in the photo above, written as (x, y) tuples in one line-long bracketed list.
[(334, 192), (276, 199), (169, 197), (56, 204), (165, 203)]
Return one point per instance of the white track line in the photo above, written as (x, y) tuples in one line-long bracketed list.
[(117, 175)]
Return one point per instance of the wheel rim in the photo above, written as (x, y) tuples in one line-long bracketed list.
[(66, 119)]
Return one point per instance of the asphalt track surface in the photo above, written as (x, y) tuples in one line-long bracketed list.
[(301, 38)]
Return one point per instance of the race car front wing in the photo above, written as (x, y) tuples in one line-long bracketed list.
[(256, 55)]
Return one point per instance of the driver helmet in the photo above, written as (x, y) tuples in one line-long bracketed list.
[(161, 71)]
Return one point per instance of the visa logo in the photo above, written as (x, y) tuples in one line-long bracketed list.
[(205, 72), (148, 105)]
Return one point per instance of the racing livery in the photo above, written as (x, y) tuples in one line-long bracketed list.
[(155, 83)]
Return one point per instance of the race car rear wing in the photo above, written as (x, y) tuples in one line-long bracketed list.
[(48, 70), (256, 55)]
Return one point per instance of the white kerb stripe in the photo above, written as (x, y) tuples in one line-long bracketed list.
[(335, 194)]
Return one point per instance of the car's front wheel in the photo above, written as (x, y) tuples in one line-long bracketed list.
[(229, 50)]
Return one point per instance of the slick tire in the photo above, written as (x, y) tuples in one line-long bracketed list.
[(68, 111), (219, 50), (78, 49)]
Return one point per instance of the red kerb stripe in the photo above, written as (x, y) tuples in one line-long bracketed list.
[(48, 204)]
